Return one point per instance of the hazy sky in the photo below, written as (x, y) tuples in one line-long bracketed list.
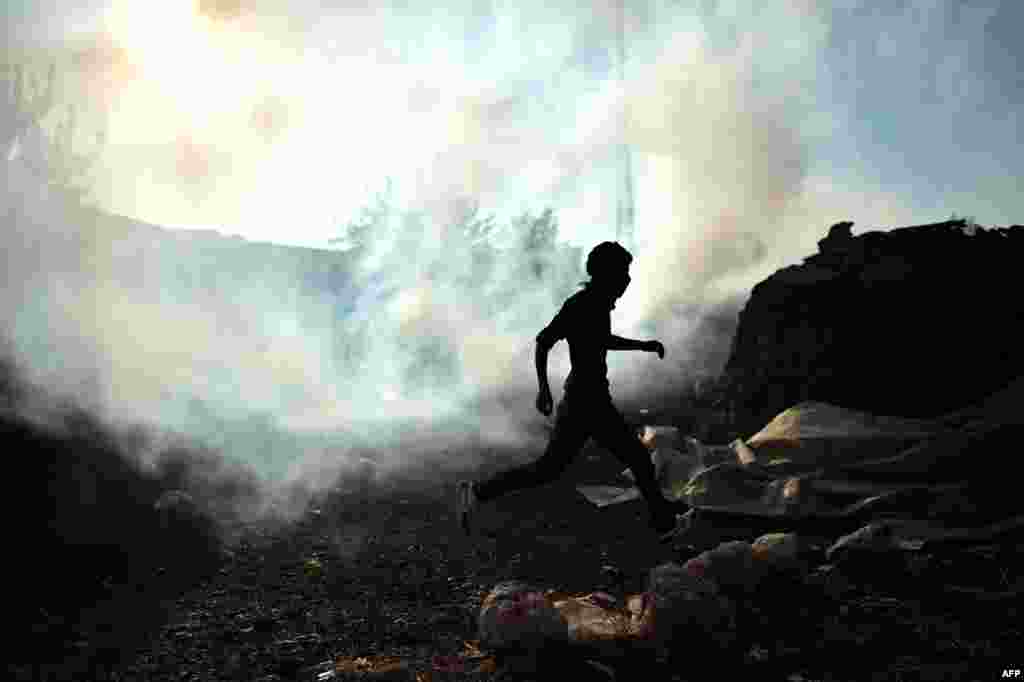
[(275, 119)]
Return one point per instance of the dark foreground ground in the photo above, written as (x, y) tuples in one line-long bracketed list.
[(398, 579)]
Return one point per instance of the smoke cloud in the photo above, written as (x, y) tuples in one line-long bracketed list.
[(281, 121)]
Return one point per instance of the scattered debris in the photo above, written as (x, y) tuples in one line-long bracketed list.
[(369, 668), (313, 568), (401, 606)]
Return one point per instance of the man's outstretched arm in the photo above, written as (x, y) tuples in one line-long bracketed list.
[(619, 343)]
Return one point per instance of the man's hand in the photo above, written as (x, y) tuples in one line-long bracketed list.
[(656, 347), (544, 401)]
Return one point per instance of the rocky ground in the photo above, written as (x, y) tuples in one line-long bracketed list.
[(381, 579)]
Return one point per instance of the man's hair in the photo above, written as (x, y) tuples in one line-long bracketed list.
[(607, 257)]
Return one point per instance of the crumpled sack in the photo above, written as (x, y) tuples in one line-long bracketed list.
[(729, 565), (740, 565), (682, 601), (675, 457), (599, 616), (516, 615), (885, 536)]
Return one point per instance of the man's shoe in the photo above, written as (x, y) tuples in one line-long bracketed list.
[(465, 505)]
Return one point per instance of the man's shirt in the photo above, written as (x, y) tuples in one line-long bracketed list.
[(585, 321)]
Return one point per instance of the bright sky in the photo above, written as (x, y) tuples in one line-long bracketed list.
[(276, 119)]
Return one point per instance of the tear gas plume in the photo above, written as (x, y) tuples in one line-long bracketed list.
[(281, 120)]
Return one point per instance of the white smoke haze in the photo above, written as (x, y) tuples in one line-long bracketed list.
[(283, 121), (102, 319)]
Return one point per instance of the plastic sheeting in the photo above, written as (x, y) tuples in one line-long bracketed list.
[(816, 460)]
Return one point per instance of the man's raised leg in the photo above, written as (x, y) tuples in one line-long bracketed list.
[(567, 440), (613, 433)]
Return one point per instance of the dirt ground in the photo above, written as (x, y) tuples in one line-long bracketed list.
[(394, 577)]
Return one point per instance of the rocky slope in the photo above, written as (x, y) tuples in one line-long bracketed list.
[(916, 321)]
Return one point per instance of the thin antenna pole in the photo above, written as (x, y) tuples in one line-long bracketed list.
[(624, 205)]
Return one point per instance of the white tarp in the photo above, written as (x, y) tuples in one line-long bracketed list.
[(813, 459)]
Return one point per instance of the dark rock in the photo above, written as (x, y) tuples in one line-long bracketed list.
[(176, 507), (916, 321)]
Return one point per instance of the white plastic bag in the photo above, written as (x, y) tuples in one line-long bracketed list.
[(675, 456)]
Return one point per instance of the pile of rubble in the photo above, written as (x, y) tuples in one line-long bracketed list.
[(910, 321), (782, 528)]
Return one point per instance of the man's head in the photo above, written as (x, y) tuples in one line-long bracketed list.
[(608, 267)]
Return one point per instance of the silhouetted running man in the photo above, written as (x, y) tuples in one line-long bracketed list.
[(586, 409)]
